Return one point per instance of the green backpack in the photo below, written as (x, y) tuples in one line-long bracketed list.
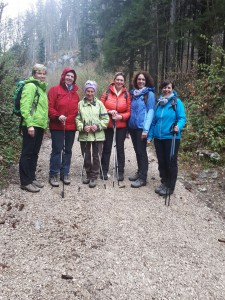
[(17, 97), (16, 101)]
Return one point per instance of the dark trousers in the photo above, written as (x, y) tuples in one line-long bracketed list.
[(167, 167), (107, 149), (29, 155), (140, 151), (92, 158), (57, 165)]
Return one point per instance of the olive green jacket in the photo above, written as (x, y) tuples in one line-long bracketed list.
[(34, 116), (90, 114)]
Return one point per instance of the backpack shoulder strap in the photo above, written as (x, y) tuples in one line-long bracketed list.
[(107, 94), (174, 103), (35, 102), (146, 98)]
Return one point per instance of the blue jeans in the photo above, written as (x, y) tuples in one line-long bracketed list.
[(60, 163)]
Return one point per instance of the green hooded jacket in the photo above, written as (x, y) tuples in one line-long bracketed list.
[(90, 114), (39, 117)]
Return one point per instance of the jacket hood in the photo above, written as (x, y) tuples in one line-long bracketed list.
[(42, 84), (63, 75)]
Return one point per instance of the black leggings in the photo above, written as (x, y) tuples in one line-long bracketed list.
[(168, 168), (107, 149), (139, 145)]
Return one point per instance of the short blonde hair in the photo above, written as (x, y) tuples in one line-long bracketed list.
[(38, 67)]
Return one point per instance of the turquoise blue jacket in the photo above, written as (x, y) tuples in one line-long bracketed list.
[(165, 116)]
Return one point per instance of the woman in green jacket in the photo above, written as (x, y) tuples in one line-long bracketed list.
[(91, 121), (34, 111)]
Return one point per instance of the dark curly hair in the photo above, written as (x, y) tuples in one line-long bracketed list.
[(148, 78), (167, 82)]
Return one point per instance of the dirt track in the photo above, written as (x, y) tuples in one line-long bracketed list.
[(116, 243)]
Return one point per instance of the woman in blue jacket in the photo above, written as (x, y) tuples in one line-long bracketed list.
[(169, 119), (142, 111)]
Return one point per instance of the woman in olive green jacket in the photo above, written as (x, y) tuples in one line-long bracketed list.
[(34, 111), (91, 121)]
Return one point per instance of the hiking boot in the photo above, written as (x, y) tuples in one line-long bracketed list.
[(104, 177), (30, 188), (38, 183), (53, 180), (159, 188), (165, 191), (138, 183), (134, 177), (120, 177), (86, 180), (65, 179), (92, 183)]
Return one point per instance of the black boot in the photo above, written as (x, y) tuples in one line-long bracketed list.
[(120, 177)]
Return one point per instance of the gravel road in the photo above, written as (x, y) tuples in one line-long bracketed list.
[(116, 243)]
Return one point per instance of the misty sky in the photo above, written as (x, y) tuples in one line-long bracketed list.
[(16, 7)]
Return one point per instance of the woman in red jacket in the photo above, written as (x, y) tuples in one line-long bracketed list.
[(117, 102), (63, 107)]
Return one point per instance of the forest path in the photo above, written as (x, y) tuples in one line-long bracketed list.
[(116, 243)]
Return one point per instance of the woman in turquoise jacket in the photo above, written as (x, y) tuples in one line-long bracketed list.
[(169, 120), (34, 111)]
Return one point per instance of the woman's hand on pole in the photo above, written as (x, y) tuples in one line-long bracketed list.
[(94, 128), (87, 128), (117, 117), (62, 119)]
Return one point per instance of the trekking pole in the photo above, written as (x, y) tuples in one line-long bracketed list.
[(100, 163), (63, 158), (114, 152), (82, 169), (172, 150)]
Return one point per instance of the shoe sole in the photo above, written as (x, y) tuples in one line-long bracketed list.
[(164, 195), (27, 190), (138, 186)]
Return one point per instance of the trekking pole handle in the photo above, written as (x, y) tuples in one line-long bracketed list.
[(174, 130)]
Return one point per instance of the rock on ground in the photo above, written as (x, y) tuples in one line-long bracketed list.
[(115, 243)]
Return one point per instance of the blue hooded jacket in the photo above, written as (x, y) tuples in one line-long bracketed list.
[(142, 111), (165, 116)]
